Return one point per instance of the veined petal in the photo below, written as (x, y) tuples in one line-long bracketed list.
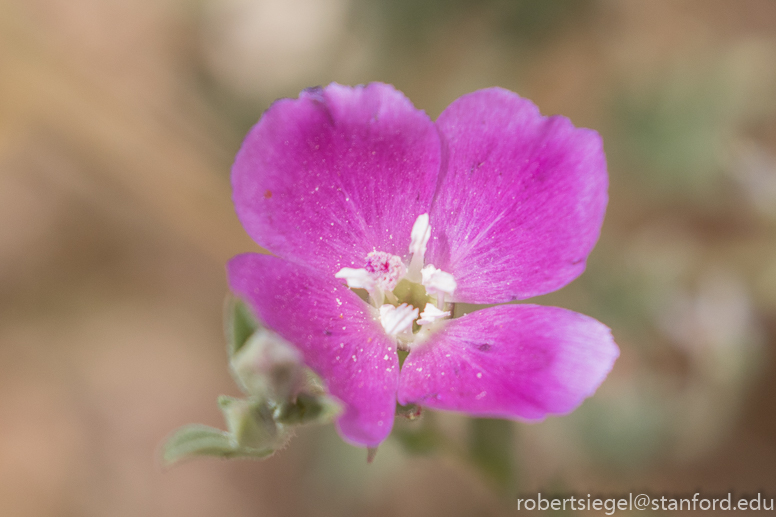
[(522, 200), (512, 361), (326, 178), (336, 333)]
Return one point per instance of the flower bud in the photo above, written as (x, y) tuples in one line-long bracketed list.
[(269, 367)]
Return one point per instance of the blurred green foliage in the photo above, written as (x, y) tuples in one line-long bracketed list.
[(525, 22)]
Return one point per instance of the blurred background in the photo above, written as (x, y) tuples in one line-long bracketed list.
[(119, 121)]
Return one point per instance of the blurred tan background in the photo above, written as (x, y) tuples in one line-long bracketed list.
[(118, 123)]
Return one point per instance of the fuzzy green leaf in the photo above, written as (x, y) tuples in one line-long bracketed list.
[(197, 440)]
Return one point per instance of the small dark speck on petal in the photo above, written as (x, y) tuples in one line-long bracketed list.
[(327, 332), (484, 347), (268, 194)]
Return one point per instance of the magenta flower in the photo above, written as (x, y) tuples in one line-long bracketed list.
[(355, 188)]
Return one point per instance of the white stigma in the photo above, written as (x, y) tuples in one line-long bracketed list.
[(396, 320), (438, 283), (431, 314), (385, 269)]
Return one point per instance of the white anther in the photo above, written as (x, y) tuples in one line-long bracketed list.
[(419, 236), (356, 278), (431, 314), (438, 283), (397, 319)]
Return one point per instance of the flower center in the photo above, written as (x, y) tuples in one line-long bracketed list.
[(397, 289)]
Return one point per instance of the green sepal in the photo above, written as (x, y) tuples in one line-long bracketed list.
[(308, 409), (251, 423), (239, 324)]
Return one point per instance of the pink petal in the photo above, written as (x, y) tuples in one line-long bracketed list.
[(336, 333), (326, 178), (522, 201), (512, 361)]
